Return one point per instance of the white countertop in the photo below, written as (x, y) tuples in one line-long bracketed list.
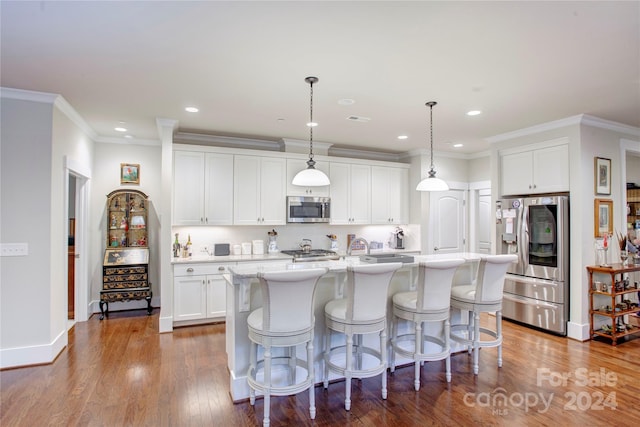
[(278, 256), (248, 270)]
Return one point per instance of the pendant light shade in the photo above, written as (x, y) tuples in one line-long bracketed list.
[(431, 183), (311, 177)]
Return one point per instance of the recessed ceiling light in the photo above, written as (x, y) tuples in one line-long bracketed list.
[(458, 145), (191, 109), (346, 101), (474, 112), (128, 136), (312, 124), (403, 137), (119, 129)]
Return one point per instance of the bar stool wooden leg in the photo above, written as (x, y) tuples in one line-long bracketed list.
[(383, 357), (347, 372)]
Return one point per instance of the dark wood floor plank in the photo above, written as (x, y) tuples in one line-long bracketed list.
[(121, 371)]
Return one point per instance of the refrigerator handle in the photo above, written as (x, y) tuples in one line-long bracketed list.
[(524, 238)]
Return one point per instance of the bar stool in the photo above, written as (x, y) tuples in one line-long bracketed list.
[(285, 320), (485, 295), (429, 303), (363, 310)]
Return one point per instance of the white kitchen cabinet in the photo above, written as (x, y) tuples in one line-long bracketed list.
[(296, 165), (202, 188), (534, 171), (259, 190), (199, 291), (350, 192), (389, 195)]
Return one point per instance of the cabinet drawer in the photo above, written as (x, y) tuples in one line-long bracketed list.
[(125, 285), (125, 270), (199, 269)]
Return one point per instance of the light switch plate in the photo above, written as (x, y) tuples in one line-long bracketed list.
[(14, 249)]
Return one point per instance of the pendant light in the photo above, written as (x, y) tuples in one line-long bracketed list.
[(431, 183), (311, 177)]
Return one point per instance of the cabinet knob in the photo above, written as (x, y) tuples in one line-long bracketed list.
[(220, 268), (189, 270)]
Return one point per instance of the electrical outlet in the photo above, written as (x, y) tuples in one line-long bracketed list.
[(14, 249)]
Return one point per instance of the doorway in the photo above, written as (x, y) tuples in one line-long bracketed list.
[(71, 253), (77, 208)]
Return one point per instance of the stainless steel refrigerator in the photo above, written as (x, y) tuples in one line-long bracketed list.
[(536, 289)]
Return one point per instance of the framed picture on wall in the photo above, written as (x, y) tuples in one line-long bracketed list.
[(602, 175), (129, 173), (603, 217)]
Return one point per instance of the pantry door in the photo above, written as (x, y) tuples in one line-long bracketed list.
[(446, 222)]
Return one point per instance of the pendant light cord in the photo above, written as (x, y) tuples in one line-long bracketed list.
[(430, 104), (311, 123)]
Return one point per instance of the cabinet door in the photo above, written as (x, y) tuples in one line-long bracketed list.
[(216, 296), (389, 195), (551, 169), (398, 195), (380, 191), (273, 175), (189, 302), (360, 194), (296, 165), (188, 188), (339, 191), (218, 189), (246, 190), (516, 173)]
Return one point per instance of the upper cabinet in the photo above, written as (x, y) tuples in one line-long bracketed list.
[(535, 169), (350, 193), (202, 188), (259, 190), (389, 195), (296, 165)]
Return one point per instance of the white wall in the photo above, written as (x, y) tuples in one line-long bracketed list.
[(33, 309), (106, 163)]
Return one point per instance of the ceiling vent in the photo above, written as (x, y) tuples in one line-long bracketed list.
[(359, 119)]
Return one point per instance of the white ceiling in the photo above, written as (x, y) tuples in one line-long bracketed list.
[(244, 63)]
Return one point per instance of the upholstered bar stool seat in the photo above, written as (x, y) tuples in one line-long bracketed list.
[(285, 320), (430, 303), (483, 296), (363, 310)]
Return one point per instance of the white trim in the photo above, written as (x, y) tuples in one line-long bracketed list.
[(66, 109), (28, 95), (33, 355), (480, 185), (584, 119), (578, 331), (625, 145)]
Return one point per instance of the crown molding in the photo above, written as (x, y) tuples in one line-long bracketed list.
[(581, 119), (226, 141), (55, 100)]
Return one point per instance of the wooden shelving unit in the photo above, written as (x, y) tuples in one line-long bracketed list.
[(617, 305)]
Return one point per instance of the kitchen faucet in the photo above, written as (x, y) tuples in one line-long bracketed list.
[(358, 240)]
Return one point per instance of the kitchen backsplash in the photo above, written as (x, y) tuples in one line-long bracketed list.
[(290, 235)]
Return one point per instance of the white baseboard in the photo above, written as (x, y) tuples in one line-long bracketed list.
[(33, 355), (578, 331)]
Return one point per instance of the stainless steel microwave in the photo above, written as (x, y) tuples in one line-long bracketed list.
[(308, 209)]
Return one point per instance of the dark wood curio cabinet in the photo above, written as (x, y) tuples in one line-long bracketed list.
[(125, 268)]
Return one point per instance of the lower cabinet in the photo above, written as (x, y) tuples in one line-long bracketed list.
[(199, 291)]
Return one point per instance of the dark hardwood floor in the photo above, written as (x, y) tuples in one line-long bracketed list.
[(122, 372)]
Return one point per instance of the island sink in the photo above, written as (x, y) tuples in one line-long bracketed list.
[(378, 258)]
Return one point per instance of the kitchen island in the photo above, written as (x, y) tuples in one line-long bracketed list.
[(243, 296)]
